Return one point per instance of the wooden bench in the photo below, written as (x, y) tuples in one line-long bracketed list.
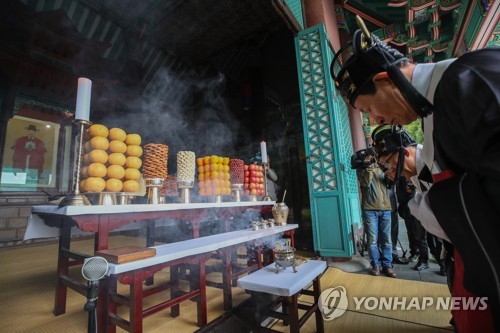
[(193, 252), (288, 286)]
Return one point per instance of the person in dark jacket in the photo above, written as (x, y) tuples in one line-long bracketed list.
[(459, 104)]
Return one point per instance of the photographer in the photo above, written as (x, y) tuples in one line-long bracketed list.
[(376, 209)]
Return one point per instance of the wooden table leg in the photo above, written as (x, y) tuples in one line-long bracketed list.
[(319, 316), (110, 286), (196, 219), (284, 309), (227, 278), (293, 313), (102, 235), (174, 290), (202, 300), (150, 241), (136, 299), (62, 267)]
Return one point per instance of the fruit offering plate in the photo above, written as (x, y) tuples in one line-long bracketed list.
[(114, 193), (110, 198)]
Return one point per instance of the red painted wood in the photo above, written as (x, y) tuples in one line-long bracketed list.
[(103, 224), (62, 269), (102, 236), (136, 302), (137, 294)]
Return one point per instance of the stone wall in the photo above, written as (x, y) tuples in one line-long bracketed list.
[(14, 212)]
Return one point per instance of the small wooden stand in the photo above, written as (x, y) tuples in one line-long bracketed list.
[(123, 254)]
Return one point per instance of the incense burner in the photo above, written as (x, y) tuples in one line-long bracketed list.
[(285, 257)]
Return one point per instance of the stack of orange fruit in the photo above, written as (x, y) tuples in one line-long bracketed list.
[(94, 170), (213, 175), (111, 161), (133, 163)]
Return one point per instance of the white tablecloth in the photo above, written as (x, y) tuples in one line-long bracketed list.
[(286, 282), (190, 247), (38, 229), (140, 208)]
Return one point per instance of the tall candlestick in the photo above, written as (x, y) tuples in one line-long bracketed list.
[(263, 151), (83, 99), (75, 198)]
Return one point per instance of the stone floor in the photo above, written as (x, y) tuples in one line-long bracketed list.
[(361, 264)]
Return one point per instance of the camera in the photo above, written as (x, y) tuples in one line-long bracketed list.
[(363, 158)]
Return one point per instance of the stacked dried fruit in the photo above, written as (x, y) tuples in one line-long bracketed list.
[(254, 179), (155, 160), (236, 171), (104, 160), (186, 166), (213, 175)]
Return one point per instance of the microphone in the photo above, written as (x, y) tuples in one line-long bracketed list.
[(93, 269)]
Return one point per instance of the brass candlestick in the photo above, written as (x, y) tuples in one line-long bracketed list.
[(266, 196), (75, 198)]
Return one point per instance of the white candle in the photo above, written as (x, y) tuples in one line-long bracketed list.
[(83, 99), (263, 151)]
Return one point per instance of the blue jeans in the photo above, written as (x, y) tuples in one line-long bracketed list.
[(378, 231)]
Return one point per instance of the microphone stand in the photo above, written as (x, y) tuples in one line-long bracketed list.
[(90, 306), (93, 270)]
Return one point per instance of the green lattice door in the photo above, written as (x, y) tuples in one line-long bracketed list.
[(332, 184)]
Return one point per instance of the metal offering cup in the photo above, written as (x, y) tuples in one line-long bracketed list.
[(153, 185), (185, 187)]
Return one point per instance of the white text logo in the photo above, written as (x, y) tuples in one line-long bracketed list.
[(333, 303)]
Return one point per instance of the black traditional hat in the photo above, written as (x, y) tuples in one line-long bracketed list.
[(31, 128), (388, 139), (356, 64)]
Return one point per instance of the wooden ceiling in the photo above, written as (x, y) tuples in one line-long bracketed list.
[(223, 33), (135, 40), (427, 30)]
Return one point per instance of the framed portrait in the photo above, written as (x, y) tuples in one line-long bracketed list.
[(30, 154)]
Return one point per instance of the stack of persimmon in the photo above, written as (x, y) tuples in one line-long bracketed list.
[(111, 160)]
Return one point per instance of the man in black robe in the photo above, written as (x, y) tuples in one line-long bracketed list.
[(459, 104)]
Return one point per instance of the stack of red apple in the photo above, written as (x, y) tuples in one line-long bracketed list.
[(254, 179)]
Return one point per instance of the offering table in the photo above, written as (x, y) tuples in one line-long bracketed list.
[(195, 251), (288, 286), (101, 220)]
